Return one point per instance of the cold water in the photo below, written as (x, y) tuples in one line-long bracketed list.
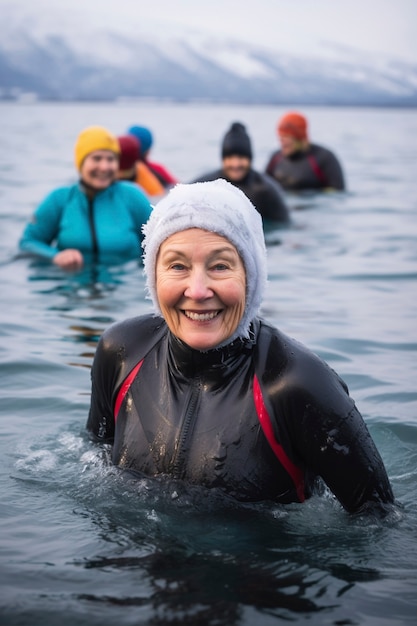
[(83, 545)]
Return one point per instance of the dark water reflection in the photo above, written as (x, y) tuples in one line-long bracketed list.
[(214, 561), (200, 589)]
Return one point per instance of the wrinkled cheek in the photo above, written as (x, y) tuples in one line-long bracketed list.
[(172, 318), (234, 316)]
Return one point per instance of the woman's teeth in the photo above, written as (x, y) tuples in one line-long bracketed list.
[(201, 317)]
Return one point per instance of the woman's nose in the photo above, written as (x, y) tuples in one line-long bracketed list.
[(198, 287)]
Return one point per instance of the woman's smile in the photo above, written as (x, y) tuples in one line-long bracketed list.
[(202, 316)]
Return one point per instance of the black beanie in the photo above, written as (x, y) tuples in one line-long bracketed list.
[(236, 141)]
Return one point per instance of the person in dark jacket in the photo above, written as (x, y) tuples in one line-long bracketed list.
[(300, 165), (265, 194), (207, 392)]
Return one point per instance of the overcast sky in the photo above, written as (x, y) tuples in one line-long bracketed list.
[(377, 26)]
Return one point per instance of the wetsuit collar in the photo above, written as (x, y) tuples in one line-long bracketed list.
[(91, 192), (219, 362)]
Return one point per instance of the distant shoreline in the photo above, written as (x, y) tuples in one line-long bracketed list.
[(31, 98)]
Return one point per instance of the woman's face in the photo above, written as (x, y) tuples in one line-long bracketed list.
[(99, 169), (289, 144), (201, 287), (236, 167)]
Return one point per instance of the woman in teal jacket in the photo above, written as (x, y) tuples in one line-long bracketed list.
[(99, 218)]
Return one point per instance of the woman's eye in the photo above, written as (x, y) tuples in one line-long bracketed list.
[(177, 266), (219, 267)]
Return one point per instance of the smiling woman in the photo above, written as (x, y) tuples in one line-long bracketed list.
[(99, 217), (209, 393)]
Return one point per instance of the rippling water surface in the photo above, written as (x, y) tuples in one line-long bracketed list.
[(81, 544)]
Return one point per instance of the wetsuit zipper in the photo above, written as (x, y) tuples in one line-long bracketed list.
[(180, 456), (92, 227)]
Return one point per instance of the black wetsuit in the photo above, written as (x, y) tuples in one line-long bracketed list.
[(204, 417), (316, 168), (265, 194)]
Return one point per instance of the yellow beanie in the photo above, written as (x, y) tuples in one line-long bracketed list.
[(91, 139)]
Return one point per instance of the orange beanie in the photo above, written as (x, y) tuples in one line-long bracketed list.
[(293, 124)]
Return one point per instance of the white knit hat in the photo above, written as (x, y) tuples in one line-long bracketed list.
[(216, 206)]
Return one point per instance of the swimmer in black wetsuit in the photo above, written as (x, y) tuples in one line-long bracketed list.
[(300, 165), (236, 168), (207, 392)]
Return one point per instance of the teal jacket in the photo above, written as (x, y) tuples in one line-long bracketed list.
[(108, 226)]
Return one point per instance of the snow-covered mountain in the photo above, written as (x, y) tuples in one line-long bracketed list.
[(64, 61)]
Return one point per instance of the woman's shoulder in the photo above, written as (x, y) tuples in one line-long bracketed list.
[(123, 345), (144, 329), (56, 200), (269, 333), (279, 353), (320, 151), (64, 191)]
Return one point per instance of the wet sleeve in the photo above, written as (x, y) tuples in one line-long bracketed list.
[(318, 424), (104, 376), (40, 233), (335, 443), (346, 457)]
